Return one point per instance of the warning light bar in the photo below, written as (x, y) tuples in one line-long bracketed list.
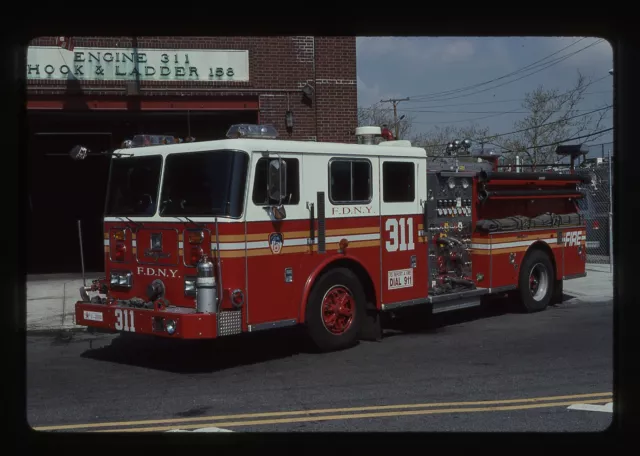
[(252, 131), (153, 140)]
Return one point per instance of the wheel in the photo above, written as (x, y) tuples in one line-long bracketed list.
[(536, 282), (335, 310)]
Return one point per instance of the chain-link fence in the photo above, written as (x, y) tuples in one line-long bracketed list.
[(597, 206)]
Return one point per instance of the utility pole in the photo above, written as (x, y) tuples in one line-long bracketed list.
[(395, 102)]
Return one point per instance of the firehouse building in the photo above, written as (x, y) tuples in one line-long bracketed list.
[(98, 91)]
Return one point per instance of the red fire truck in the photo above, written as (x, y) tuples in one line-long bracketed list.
[(216, 238)]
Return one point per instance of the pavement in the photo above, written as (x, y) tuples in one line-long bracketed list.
[(478, 370), (51, 298)]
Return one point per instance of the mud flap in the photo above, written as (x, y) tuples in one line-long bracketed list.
[(371, 329)]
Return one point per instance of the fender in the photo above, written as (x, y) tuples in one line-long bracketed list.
[(553, 256), (314, 275)]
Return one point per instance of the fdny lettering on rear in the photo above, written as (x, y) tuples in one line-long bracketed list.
[(572, 238), (157, 272)]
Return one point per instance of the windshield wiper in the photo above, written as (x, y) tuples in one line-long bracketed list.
[(199, 225), (135, 224)]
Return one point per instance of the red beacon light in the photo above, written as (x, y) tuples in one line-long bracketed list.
[(252, 131)]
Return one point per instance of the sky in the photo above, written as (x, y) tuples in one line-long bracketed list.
[(418, 67)]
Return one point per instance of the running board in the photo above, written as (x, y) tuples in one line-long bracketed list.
[(455, 304), (450, 301), (457, 301)]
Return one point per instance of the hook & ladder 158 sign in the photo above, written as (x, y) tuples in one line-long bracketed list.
[(115, 64)]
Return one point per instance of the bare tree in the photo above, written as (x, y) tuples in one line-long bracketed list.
[(435, 140), (553, 117), (377, 115)]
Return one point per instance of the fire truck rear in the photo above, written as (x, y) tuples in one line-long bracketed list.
[(216, 238)]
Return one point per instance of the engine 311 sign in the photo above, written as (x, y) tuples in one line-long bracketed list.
[(96, 64)]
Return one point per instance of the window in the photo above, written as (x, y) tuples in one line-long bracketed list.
[(398, 182), (207, 183), (133, 186), (260, 190), (350, 181)]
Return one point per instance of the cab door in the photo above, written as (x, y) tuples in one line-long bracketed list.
[(404, 257), (274, 247)]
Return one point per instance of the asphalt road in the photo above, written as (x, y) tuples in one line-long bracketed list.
[(434, 376)]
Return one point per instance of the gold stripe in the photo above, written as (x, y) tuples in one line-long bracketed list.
[(507, 250), (180, 252), (296, 234), (106, 235), (134, 250), (180, 237), (354, 245), (133, 236), (295, 249), (527, 237), (365, 230), (501, 240), (240, 237), (106, 248)]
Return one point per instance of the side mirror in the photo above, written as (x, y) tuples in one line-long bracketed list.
[(277, 180), (78, 153), (279, 212)]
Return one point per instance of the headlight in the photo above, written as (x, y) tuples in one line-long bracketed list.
[(121, 279), (170, 326), (451, 182)]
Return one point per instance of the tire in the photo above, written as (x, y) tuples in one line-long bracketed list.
[(536, 282), (327, 326)]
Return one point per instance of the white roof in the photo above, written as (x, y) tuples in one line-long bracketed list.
[(277, 145)]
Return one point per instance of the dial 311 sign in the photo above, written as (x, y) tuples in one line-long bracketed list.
[(400, 278)]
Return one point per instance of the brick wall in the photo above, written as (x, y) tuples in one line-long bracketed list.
[(275, 63)]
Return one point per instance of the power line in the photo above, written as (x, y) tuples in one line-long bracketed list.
[(531, 128), (549, 123), (472, 112), (557, 142), (515, 111), (447, 92), (468, 120), (548, 65), (511, 99), (368, 108), (545, 65)]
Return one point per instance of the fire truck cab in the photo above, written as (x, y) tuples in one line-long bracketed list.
[(215, 238)]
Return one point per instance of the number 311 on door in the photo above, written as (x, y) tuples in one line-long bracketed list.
[(400, 234)]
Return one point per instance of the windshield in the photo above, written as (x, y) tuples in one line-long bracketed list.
[(209, 183), (133, 186)]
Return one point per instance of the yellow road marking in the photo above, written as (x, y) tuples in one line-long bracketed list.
[(225, 424), (321, 411)]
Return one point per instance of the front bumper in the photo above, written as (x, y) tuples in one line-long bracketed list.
[(120, 318)]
